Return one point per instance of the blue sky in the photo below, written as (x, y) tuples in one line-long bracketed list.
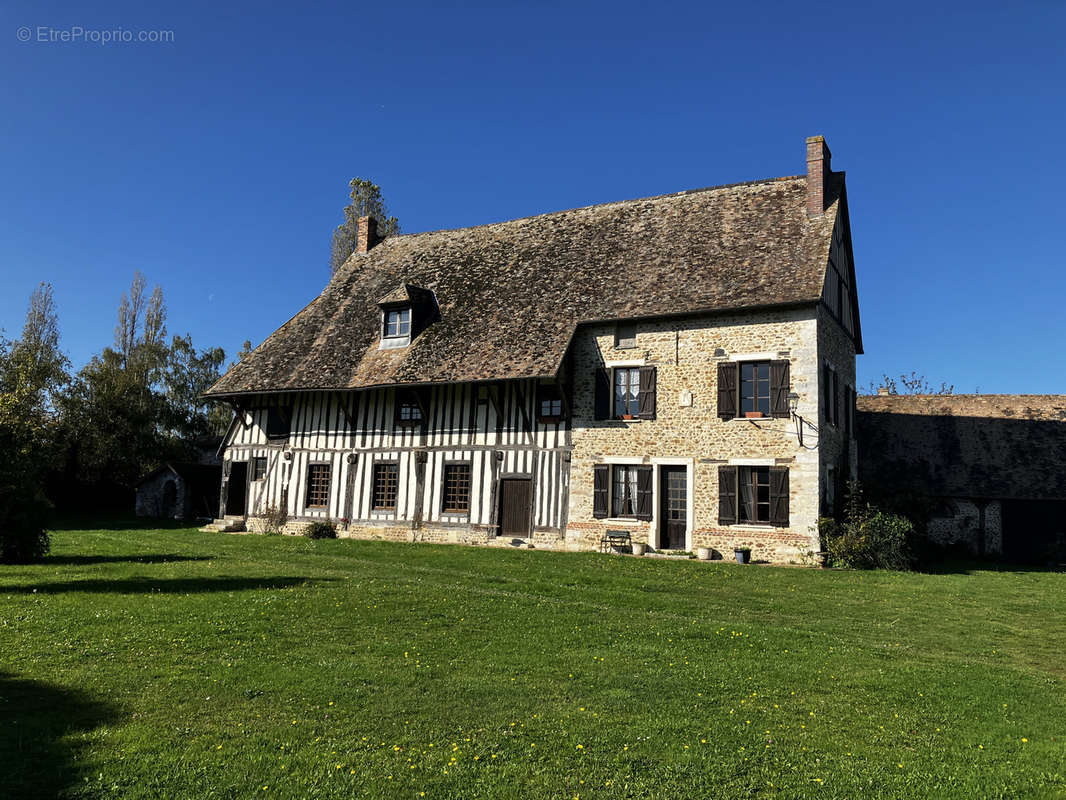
[(218, 163)]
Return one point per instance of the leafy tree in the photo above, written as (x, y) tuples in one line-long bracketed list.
[(366, 200), (189, 373), (32, 373)]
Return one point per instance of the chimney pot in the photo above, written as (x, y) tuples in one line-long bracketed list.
[(818, 170), (883, 391), (367, 235)]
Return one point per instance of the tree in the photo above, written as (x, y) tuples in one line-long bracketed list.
[(33, 370), (189, 373), (909, 384), (366, 202)]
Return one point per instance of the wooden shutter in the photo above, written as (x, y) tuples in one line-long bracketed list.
[(601, 484), (727, 495), (779, 496), (603, 394), (827, 388), (836, 400), (646, 395), (727, 390), (644, 475), (779, 385)]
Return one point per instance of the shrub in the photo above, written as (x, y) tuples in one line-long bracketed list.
[(867, 538), (274, 519), (323, 529), (23, 537)]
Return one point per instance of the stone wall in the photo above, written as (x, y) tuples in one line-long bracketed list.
[(687, 430), (963, 526)]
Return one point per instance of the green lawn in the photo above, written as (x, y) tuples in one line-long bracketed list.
[(172, 663)]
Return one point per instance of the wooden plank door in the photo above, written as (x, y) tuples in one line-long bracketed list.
[(516, 507), (673, 508)]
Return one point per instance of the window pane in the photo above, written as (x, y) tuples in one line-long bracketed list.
[(318, 485), (385, 483), (618, 491), (747, 499)]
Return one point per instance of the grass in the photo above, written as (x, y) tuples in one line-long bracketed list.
[(172, 663)]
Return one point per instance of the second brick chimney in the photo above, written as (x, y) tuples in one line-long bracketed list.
[(368, 234), (818, 169)]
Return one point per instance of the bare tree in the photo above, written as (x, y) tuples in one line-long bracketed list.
[(909, 384)]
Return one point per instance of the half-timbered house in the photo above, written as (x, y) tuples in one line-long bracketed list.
[(681, 367)]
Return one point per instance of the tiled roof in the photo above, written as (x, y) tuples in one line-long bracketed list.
[(982, 446), (511, 294)]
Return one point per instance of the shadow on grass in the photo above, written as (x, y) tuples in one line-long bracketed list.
[(37, 724), (153, 558), (164, 585), (972, 566), (117, 522)]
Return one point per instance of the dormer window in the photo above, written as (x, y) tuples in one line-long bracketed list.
[(397, 323), (405, 313)]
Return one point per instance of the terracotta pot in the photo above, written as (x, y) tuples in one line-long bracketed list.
[(753, 414)]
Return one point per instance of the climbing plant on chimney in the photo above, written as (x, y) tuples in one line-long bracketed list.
[(366, 202)]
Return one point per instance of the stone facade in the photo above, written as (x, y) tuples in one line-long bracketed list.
[(688, 432)]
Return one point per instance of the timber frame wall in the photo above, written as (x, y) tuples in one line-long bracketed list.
[(493, 427)]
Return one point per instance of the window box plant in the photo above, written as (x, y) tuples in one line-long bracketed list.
[(753, 415), (742, 555)]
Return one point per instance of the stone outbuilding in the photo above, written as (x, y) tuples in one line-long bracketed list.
[(992, 467), (179, 491)]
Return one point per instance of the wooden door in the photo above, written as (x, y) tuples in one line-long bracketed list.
[(516, 507), (673, 508), (237, 489)]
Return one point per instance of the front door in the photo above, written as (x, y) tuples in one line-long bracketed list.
[(237, 488), (516, 506), (673, 508)]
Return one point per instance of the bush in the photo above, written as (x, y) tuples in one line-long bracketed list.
[(323, 529), (22, 534), (274, 519), (867, 538)]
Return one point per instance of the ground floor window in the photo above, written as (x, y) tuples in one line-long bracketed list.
[(754, 494), (623, 491), (386, 481), (456, 489), (259, 468), (318, 485)]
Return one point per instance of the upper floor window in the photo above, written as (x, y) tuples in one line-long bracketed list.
[(277, 423), (397, 323), (408, 408), (625, 335), (626, 391), (549, 404), (755, 388)]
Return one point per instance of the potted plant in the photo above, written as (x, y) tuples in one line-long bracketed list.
[(742, 555), (627, 416)]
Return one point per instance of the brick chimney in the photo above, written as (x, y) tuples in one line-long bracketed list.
[(818, 169), (368, 234)]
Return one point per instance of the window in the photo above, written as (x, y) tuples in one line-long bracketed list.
[(831, 389), (277, 423), (754, 504), (318, 485), (456, 489), (830, 491), (408, 410), (626, 391), (549, 404), (259, 468), (625, 335), (623, 491), (397, 323), (755, 388), (386, 479)]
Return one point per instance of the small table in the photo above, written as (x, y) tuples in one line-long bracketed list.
[(612, 539)]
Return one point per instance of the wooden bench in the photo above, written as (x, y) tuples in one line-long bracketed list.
[(612, 539)]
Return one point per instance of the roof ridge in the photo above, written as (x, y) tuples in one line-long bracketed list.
[(664, 196)]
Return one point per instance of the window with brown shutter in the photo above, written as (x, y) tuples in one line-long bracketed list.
[(646, 394), (779, 497), (644, 493), (602, 404), (753, 489), (318, 485), (727, 495), (727, 390), (601, 488), (779, 386)]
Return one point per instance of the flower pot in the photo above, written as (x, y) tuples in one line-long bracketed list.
[(753, 414), (627, 416), (703, 553), (742, 555), (638, 548)]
